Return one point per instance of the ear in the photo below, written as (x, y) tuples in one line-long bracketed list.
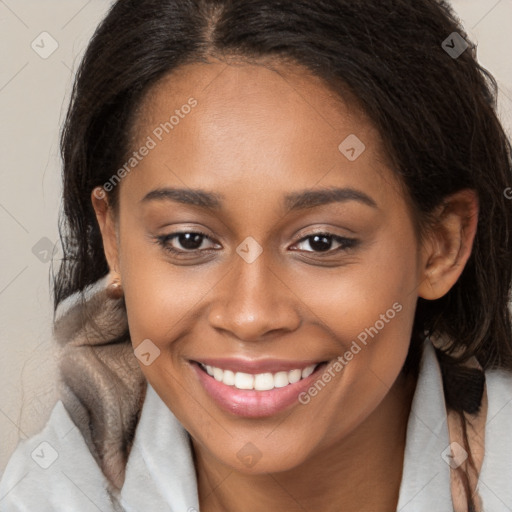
[(449, 243), (108, 227)]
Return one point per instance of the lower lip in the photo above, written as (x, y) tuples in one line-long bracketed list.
[(254, 404)]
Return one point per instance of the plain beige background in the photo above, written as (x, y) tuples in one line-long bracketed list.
[(34, 91)]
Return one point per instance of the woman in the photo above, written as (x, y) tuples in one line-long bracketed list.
[(287, 266)]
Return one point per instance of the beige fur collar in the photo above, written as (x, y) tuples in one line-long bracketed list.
[(101, 384)]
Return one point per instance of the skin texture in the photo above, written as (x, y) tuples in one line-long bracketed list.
[(256, 135)]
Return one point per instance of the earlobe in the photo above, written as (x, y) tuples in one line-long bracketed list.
[(107, 225), (449, 244)]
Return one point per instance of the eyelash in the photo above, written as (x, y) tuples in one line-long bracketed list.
[(346, 243)]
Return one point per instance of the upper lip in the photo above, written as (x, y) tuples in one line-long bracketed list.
[(256, 366)]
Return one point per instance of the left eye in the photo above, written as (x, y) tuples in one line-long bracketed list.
[(322, 242)]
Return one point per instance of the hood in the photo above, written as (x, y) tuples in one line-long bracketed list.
[(100, 381)]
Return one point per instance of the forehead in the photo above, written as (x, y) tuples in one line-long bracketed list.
[(269, 127), (250, 89)]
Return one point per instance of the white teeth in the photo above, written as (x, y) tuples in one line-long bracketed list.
[(260, 381), (294, 376), (229, 378), (244, 380), (264, 382), (307, 371), (281, 379)]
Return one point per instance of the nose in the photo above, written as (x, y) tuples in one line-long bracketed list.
[(253, 300)]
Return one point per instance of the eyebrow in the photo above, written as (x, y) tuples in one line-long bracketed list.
[(300, 200)]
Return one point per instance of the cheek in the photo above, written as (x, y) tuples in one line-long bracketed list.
[(369, 310), (375, 292), (159, 296), (164, 301)]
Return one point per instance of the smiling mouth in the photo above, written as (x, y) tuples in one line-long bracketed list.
[(263, 389), (265, 381)]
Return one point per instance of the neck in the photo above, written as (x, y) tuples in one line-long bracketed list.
[(363, 471)]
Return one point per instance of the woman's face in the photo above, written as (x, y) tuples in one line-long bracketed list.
[(259, 295)]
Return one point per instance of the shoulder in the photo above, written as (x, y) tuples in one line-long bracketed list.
[(498, 425), (496, 474), (499, 394), (53, 471)]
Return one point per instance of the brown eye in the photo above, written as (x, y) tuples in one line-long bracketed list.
[(322, 242), (189, 241)]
